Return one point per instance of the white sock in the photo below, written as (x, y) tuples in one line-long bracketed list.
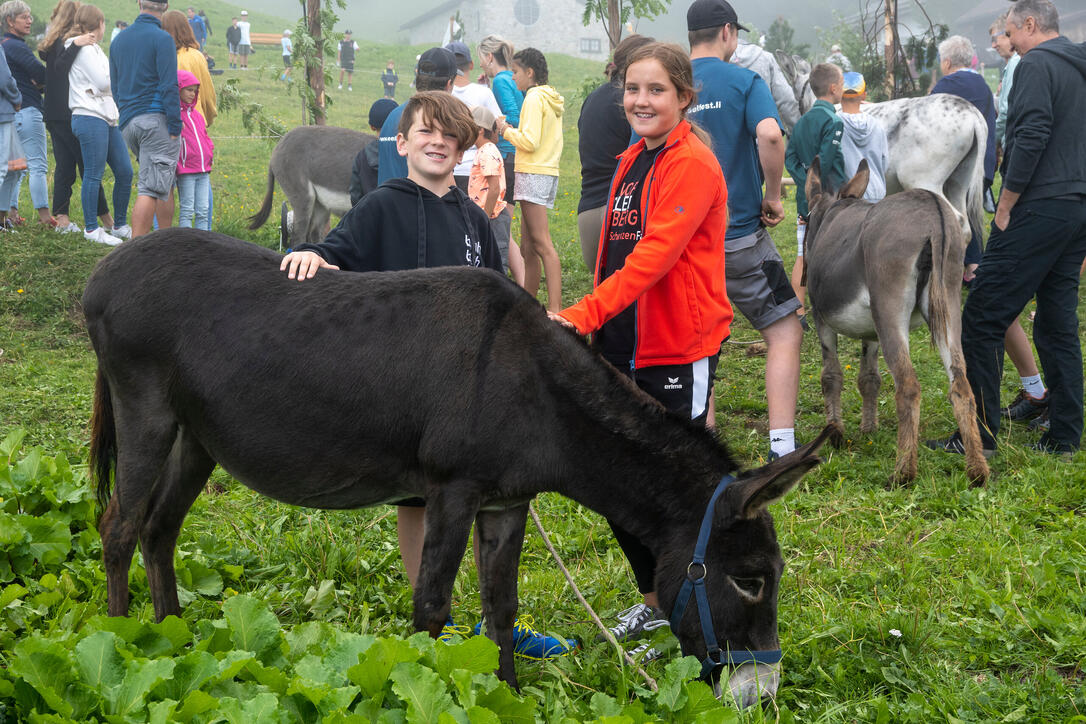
[(1033, 386), (801, 235), (782, 441)]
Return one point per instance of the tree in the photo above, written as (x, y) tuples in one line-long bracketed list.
[(892, 66), (779, 37), (614, 14)]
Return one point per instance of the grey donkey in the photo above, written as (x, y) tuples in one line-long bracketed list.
[(874, 272), (313, 166)]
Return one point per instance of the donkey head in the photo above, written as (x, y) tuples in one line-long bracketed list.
[(820, 198), (798, 72), (742, 571)]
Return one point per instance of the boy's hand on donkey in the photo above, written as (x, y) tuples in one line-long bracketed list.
[(302, 265)]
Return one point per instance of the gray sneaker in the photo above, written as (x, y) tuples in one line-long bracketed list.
[(635, 622)]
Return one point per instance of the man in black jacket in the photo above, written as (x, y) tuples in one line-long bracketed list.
[(1038, 237)]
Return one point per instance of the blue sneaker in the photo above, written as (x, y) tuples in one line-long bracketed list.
[(530, 644), (450, 629)]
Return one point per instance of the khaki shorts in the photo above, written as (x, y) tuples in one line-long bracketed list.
[(156, 153), (757, 284)]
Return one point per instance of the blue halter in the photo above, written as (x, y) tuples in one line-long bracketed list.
[(695, 583)]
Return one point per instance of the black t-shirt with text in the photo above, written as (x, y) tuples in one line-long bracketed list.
[(616, 338)]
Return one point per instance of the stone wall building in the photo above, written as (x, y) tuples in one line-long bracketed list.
[(552, 26)]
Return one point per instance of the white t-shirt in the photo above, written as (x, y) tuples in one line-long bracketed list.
[(473, 95), (288, 45), (243, 26)]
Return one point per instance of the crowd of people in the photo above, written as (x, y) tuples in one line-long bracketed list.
[(682, 158), (157, 103)]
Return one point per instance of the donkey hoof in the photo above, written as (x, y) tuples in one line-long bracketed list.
[(900, 480), (837, 435)]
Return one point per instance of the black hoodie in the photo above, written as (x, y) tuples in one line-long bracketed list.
[(1045, 144), (401, 225)]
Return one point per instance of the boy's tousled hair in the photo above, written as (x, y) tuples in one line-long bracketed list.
[(676, 63), (444, 108), (532, 59), (823, 76)]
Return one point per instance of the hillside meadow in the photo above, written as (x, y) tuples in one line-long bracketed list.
[(927, 603)]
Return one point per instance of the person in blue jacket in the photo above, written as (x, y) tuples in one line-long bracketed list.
[(10, 101), (143, 74)]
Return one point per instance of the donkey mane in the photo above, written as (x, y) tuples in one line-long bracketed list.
[(621, 408)]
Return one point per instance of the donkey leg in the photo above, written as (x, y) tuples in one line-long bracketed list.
[(182, 479), (317, 221), (500, 534), (144, 439), (450, 509), (869, 382), (948, 342), (832, 379), (895, 345)]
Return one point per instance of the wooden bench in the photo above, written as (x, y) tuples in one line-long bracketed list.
[(266, 38)]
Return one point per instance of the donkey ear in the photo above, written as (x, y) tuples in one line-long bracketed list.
[(857, 185), (770, 483), (813, 187)]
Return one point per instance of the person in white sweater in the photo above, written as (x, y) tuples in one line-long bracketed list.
[(94, 123)]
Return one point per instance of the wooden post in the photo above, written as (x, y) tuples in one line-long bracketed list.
[(315, 65), (889, 49)]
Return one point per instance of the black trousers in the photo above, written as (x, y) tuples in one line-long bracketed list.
[(1038, 254), (68, 158)]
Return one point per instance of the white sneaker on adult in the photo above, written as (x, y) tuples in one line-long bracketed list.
[(122, 232), (339, 87), (71, 228), (101, 236)]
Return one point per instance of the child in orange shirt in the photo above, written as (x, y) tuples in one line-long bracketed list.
[(486, 183)]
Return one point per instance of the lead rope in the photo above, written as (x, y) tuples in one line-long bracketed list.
[(577, 592)]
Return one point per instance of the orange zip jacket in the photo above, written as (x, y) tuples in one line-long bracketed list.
[(675, 273)]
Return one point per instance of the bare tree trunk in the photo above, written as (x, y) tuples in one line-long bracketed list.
[(315, 65), (889, 53), (614, 23)]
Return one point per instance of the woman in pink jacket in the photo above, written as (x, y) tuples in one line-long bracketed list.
[(194, 165)]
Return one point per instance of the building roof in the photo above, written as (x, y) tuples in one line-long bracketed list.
[(442, 8)]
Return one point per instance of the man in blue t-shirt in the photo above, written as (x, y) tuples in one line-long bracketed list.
[(735, 106), (435, 71)]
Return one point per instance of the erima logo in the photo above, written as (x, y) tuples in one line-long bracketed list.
[(673, 384)]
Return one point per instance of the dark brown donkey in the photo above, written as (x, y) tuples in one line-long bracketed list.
[(875, 271), (353, 390)]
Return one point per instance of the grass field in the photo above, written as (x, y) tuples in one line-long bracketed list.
[(935, 602)]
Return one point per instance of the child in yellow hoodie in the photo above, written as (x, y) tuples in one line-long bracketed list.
[(538, 139)]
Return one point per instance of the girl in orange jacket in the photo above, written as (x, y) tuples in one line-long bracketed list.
[(659, 311)]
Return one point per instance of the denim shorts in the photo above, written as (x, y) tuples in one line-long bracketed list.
[(155, 151)]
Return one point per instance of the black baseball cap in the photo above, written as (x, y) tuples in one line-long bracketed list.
[(711, 14), (437, 63), (379, 111)]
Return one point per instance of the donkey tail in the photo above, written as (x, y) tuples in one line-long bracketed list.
[(257, 220), (942, 244), (103, 449), (974, 193)]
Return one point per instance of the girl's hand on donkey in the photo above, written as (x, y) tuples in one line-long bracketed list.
[(556, 317)]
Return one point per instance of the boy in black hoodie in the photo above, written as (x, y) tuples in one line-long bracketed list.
[(1038, 237), (423, 220), (419, 221)]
